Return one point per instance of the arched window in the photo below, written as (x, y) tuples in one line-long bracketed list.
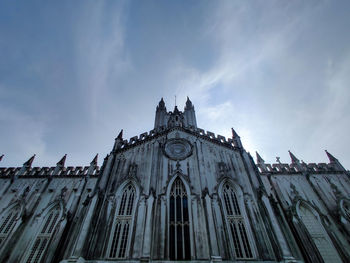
[(43, 238), (236, 226), (121, 229), (179, 226), (8, 222), (318, 234)]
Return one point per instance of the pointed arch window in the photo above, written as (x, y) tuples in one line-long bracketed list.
[(46, 233), (123, 221), (8, 222), (236, 226), (179, 225), (318, 234)]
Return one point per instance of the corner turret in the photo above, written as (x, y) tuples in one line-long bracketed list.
[(161, 115)]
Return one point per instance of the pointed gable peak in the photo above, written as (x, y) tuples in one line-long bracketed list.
[(62, 161), (176, 110), (259, 159), (293, 158), (30, 161), (331, 158), (94, 161)]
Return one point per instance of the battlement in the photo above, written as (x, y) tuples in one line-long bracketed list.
[(135, 140), (285, 168), (70, 171)]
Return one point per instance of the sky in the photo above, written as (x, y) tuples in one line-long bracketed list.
[(74, 73)]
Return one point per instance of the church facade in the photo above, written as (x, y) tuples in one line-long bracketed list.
[(176, 193)]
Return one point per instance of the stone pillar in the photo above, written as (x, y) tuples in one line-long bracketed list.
[(162, 228), (139, 228), (286, 254), (79, 244), (219, 226), (215, 256), (147, 240)]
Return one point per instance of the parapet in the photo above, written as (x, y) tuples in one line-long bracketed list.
[(33, 172), (285, 168), (136, 140)]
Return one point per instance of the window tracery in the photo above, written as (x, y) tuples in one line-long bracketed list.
[(179, 225), (237, 229), (318, 234), (8, 222), (44, 236), (121, 228)]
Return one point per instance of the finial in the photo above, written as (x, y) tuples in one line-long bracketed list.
[(62, 161), (278, 159), (175, 100), (29, 162)]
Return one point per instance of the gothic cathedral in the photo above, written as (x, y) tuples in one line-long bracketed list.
[(176, 193)]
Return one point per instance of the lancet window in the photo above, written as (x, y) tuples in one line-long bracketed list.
[(44, 236), (318, 234), (236, 226), (8, 222), (121, 229), (346, 209), (179, 225)]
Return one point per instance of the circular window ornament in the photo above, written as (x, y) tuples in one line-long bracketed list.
[(177, 149)]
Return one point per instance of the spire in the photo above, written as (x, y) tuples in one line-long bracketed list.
[(29, 162), (1, 157), (62, 161), (94, 161), (259, 159), (293, 158)]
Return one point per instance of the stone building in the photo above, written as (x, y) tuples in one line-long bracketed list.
[(176, 193)]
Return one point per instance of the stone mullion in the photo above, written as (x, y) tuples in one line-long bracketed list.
[(286, 253)]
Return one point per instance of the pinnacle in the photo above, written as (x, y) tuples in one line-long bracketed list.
[(259, 159), (120, 135), (94, 161), (293, 158), (29, 162), (62, 161), (234, 133), (331, 158)]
